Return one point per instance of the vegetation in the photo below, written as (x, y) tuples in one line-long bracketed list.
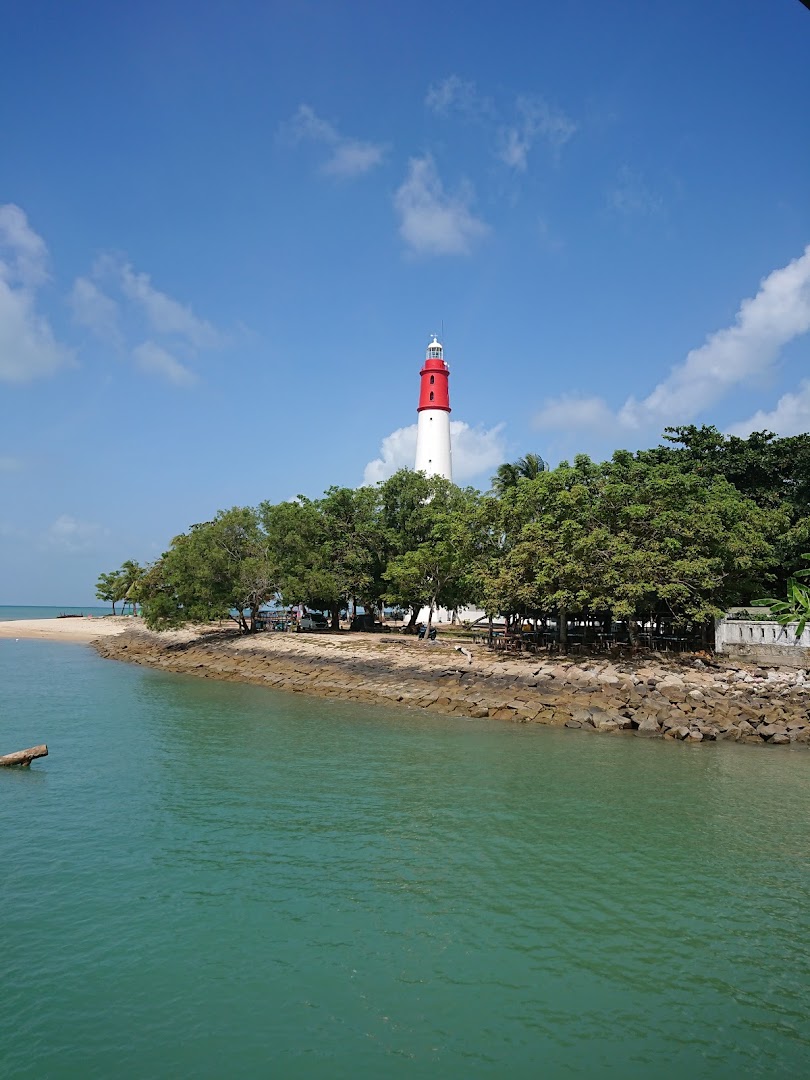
[(121, 586), (795, 609), (677, 532)]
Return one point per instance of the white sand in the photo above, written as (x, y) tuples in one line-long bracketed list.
[(86, 628)]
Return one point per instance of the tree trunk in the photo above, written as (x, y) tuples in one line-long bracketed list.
[(24, 757), (113, 604), (336, 615), (563, 628), (430, 618)]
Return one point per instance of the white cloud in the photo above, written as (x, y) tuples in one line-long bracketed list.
[(455, 94), (28, 348), (432, 222), (137, 307), (28, 250), (155, 360), (95, 310), (73, 536), (475, 451), (536, 120), (570, 411), (164, 314), (349, 157), (764, 324), (632, 197), (791, 415)]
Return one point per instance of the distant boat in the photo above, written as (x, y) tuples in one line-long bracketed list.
[(64, 616)]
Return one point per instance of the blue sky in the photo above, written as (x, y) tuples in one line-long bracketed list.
[(227, 232)]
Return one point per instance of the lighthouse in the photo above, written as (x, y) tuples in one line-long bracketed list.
[(433, 455)]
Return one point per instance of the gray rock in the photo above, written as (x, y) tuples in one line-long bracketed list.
[(583, 715), (779, 738), (648, 727), (695, 736), (573, 723), (768, 731)]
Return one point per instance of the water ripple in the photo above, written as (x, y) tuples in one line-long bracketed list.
[(207, 879)]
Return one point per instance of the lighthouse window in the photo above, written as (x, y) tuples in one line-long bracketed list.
[(432, 379), (431, 395)]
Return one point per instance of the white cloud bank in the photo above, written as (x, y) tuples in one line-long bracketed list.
[(513, 131), (349, 157), (536, 119), (790, 416), (456, 95), (431, 221), (142, 307), (475, 451), (765, 323), (70, 535), (28, 348), (156, 360)]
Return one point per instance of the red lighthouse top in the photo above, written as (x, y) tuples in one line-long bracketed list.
[(434, 392)]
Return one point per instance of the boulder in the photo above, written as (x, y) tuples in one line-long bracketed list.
[(583, 715), (573, 723), (672, 691), (648, 727), (602, 719), (768, 731)]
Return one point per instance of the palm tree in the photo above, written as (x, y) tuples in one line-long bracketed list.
[(511, 472), (795, 608), (132, 574)]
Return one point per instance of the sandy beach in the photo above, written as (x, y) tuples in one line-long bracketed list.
[(83, 629)]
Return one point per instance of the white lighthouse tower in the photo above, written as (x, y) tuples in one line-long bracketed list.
[(433, 454)]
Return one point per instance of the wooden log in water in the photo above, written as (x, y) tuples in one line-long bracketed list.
[(24, 757)]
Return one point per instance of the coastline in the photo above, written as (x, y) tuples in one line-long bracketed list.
[(82, 629), (678, 697)]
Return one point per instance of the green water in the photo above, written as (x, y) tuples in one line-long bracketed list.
[(208, 880)]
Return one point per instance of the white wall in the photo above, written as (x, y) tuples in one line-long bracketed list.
[(742, 632)]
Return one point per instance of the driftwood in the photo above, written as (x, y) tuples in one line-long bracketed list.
[(24, 757)]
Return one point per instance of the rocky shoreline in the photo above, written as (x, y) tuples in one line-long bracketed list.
[(680, 697)]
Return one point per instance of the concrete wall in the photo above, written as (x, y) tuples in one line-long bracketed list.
[(765, 643)]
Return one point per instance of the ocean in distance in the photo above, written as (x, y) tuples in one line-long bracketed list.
[(10, 613), (212, 879)]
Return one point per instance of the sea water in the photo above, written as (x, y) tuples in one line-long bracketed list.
[(206, 879), (10, 613)]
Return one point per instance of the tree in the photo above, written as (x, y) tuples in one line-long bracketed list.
[(773, 471), (510, 473), (108, 588), (432, 567), (120, 584), (631, 537), (218, 569)]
